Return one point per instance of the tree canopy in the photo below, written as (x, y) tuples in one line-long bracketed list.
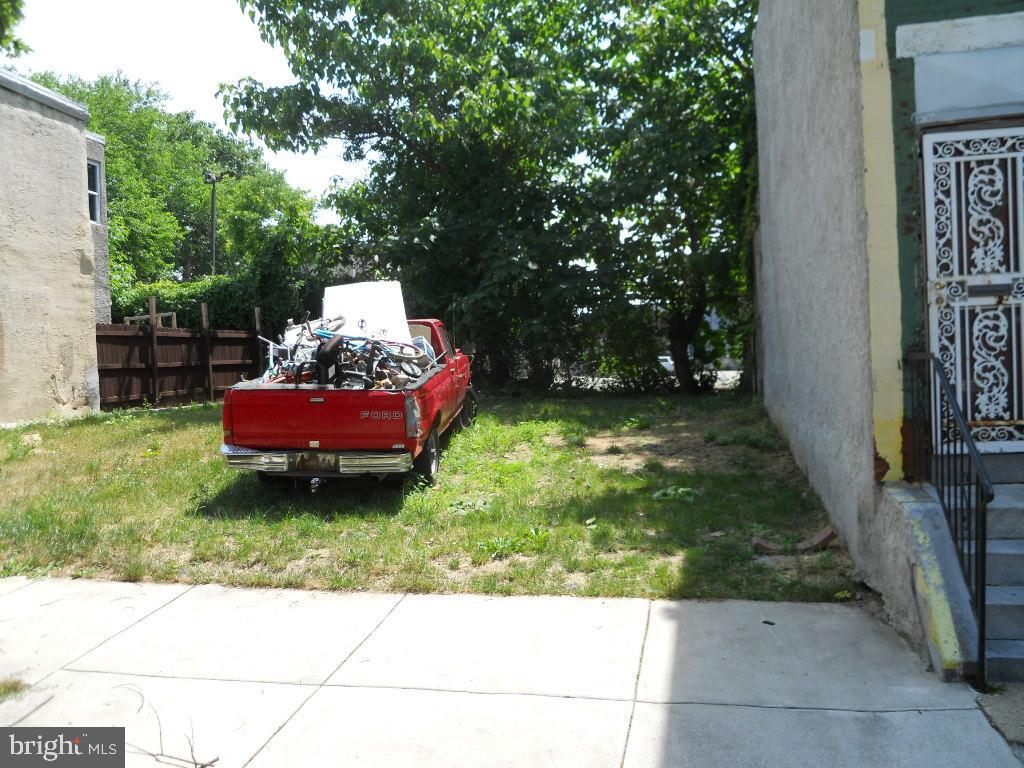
[(11, 12), (677, 146), (158, 203), (555, 176)]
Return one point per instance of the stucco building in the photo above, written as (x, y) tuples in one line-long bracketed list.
[(891, 143), (54, 272)]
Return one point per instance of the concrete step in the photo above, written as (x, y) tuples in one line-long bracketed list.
[(1004, 467), (1005, 524), (1004, 661), (1004, 613), (1005, 562), (1006, 512)]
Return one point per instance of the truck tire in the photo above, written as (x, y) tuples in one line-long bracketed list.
[(427, 464), (467, 416)]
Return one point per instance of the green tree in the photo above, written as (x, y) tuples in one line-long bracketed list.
[(158, 202), (473, 125), (11, 12), (144, 234), (544, 171), (677, 144)]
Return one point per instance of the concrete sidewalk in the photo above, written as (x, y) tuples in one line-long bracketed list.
[(288, 678)]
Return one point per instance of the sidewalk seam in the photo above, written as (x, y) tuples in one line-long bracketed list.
[(323, 683), (797, 708), (135, 623), (636, 684), (362, 642), (570, 696), (202, 678), (28, 583), (34, 709)]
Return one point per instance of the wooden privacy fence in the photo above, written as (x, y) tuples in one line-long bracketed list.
[(169, 366)]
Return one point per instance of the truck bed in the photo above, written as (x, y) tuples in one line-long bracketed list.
[(317, 417), (319, 429)]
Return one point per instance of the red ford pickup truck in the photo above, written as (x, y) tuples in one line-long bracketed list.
[(317, 431)]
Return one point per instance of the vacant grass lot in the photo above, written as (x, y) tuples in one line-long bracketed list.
[(640, 496)]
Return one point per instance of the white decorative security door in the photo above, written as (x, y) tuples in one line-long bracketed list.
[(975, 220)]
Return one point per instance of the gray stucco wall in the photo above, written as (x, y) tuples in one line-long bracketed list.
[(96, 151), (47, 299), (813, 281)]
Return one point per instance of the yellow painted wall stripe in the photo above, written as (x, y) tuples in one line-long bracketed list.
[(882, 237)]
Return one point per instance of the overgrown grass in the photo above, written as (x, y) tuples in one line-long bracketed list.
[(522, 507), (10, 686)]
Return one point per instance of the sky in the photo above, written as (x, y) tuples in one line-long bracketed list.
[(188, 47)]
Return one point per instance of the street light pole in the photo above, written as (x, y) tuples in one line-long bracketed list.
[(213, 228), (212, 178)]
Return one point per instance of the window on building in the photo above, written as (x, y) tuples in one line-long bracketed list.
[(94, 192)]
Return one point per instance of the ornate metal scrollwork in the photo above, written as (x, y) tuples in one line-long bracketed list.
[(985, 187), (974, 183), (991, 379)]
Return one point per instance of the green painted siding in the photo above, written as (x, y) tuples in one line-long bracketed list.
[(908, 164)]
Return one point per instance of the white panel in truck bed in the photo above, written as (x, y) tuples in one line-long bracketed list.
[(374, 309)]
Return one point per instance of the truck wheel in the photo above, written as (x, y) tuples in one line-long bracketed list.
[(467, 416), (427, 464)]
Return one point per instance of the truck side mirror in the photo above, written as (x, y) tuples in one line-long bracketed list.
[(469, 348)]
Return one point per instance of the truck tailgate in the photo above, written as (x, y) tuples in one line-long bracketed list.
[(324, 419)]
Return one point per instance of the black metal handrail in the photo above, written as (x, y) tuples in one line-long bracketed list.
[(945, 454)]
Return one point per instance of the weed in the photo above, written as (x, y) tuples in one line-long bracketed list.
[(822, 563), (677, 492), (133, 570), (500, 547), (11, 686), (602, 536), (468, 506), (536, 539), (762, 437), (641, 421)]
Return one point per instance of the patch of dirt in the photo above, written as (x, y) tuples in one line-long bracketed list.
[(830, 562), (1004, 708), (572, 581), (681, 446), (311, 558), (676, 561), (522, 453), (790, 565), (467, 570), (674, 446)]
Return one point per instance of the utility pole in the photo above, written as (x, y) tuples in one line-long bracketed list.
[(212, 178)]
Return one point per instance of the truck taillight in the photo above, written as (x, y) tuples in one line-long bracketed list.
[(412, 417), (229, 438)]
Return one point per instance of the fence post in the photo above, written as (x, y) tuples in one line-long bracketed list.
[(154, 364), (207, 352), (256, 344)]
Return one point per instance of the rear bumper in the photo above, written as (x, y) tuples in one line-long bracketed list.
[(317, 462)]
